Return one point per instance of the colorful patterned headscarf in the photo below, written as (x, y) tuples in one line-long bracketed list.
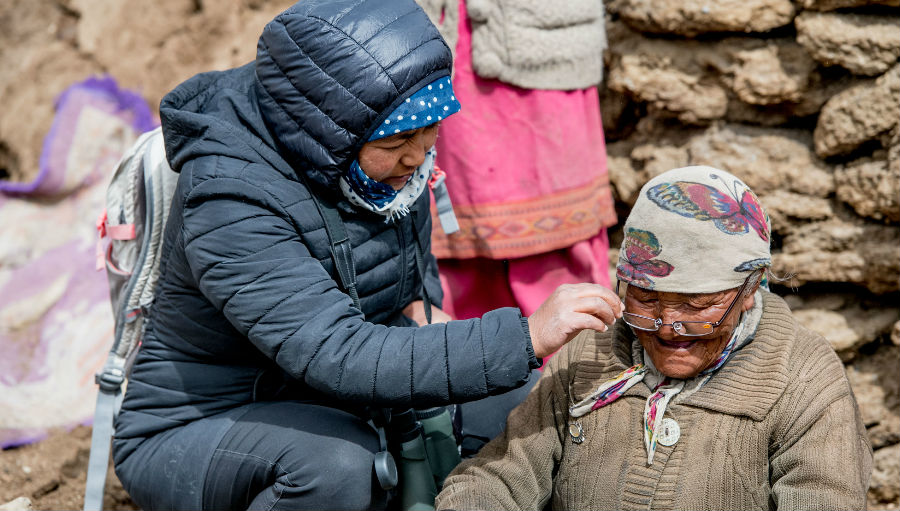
[(694, 230), (430, 104)]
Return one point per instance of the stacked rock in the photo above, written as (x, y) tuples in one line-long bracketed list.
[(801, 100)]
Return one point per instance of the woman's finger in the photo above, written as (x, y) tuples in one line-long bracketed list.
[(599, 307), (588, 290)]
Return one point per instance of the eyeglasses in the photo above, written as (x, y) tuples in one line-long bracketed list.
[(685, 328)]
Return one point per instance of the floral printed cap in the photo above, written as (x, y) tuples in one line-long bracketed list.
[(694, 230)]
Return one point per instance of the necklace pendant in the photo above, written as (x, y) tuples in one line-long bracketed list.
[(576, 432)]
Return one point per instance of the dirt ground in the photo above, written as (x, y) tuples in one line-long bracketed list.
[(51, 473)]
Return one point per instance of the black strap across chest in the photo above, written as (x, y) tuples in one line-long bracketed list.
[(342, 253)]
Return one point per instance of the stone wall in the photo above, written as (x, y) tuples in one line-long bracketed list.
[(801, 100)]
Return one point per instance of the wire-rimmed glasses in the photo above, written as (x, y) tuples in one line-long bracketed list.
[(685, 328)]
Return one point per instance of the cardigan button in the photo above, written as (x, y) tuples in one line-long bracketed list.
[(669, 432), (576, 432)]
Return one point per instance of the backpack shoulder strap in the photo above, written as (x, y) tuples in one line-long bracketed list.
[(420, 266), (341, 251), (109, 399)]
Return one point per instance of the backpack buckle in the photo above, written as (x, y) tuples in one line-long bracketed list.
[(436, 178), (110, 379)]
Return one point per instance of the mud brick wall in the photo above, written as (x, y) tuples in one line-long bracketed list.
[(801, 100)]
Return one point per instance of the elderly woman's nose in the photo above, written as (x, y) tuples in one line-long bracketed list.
[(666, 331)]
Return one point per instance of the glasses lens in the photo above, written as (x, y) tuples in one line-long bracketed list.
[(696, 328), (639, 322)]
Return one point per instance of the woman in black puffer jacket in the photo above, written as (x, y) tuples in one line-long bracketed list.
[(256, 371)]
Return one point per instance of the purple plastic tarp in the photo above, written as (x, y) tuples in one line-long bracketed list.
[(55, 318)]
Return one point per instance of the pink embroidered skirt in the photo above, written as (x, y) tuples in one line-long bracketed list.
[(526, 171)]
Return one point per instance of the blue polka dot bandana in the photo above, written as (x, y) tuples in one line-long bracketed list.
[(430, 104), (394, 204), (377, 194)]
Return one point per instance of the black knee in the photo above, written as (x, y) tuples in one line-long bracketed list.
[(344, 479)]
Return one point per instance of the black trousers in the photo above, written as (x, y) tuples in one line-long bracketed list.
[(282, 455)]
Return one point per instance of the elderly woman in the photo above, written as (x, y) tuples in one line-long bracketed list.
[(709, 395)]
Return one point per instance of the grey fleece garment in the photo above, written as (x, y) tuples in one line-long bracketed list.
[(533, 44)]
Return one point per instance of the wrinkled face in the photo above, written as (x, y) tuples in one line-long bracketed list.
[(678, 356), (392, 160)]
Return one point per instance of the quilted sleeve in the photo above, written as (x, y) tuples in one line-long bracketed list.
[(250, 262)]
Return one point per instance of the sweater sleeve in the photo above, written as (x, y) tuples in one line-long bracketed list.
[(822, 458), (248, 260), (515, 470)]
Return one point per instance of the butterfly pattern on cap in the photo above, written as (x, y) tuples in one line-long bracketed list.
[(641, 247), (730, 214)]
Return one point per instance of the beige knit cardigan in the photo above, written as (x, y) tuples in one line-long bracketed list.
[(777, 427)]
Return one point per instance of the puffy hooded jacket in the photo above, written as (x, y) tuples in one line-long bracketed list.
[(247, 307)]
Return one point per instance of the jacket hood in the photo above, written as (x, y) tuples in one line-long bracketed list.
[(329, 72)]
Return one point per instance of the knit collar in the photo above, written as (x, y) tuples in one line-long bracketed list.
[(748, 385)]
